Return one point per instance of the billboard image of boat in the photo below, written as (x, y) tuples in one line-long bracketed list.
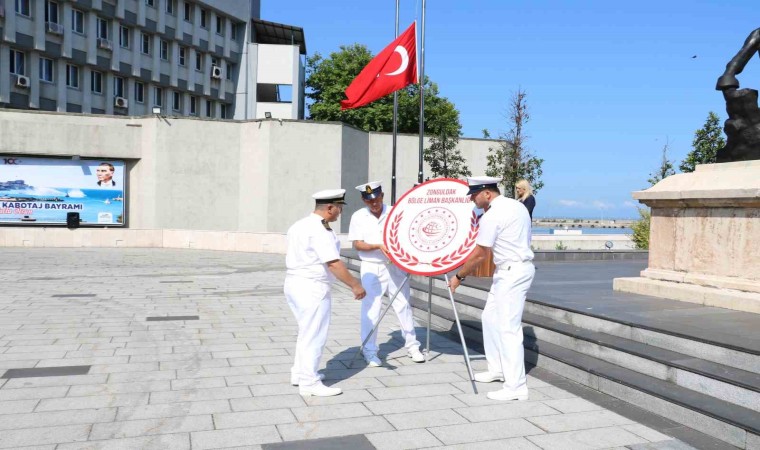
[(42, 191)]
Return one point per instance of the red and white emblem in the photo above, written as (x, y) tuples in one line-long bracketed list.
[(432, 228)]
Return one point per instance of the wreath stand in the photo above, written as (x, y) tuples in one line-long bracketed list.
[(430, 309)]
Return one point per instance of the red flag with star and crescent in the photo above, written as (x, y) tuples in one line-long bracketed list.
[(392, 69)]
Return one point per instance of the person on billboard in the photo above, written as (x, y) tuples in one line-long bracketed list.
[(313, 263), (505, 230), (379, 276), (105, 175)]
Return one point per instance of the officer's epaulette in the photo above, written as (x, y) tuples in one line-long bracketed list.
[(326, 224)]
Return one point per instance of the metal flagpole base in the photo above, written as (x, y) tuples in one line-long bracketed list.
[(377, 325), (461, 336)]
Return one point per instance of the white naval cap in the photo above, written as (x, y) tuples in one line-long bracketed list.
[(330, 196), (481, 182), (370, 190)]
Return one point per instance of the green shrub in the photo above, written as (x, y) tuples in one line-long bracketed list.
[(640, 229)]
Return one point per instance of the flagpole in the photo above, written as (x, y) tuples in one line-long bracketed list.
[(422, 92), (395, 129)]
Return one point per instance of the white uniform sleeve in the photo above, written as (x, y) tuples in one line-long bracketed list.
[(355, 228), (323, 244), (488, 230)]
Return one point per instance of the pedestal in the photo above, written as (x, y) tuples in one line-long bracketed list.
[(704, 244)]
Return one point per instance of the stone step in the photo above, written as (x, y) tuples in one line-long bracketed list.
[(734, 424)]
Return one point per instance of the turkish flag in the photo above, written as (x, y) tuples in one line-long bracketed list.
[(392, 69)]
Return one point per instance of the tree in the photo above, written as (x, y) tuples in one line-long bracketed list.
[(640, 236), (328, 78), (666, 167), (707, 141), (511, 160), (442, 155)]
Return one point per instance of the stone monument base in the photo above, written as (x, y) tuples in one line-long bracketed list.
[(704, 244)]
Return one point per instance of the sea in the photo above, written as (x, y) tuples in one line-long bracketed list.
[(586, 231)]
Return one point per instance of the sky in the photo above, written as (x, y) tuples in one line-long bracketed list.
[(608, 83)]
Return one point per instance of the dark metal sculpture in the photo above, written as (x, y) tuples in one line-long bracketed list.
[(743, 124)]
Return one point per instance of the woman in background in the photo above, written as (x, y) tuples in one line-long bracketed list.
[(524, 194)]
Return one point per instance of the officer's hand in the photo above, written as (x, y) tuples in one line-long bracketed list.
[(359, 292), (453, 284), (384, 249)]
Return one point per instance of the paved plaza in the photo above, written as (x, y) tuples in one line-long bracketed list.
[(218, 375)]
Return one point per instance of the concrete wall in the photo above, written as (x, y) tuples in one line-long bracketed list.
[(195, 174)]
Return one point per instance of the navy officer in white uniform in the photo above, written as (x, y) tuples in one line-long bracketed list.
[(313, 263), (379, 276), (505, 229)]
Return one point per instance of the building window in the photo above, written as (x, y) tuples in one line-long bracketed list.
[(164, 50), (177, 101), (102, 28), (51, 12), (18, 63), (22, 7), (222, 111), (220, 25), (228, 75), (198, 62), (193, 106), (72, 76), (170, 6), (209, 108), (158, 96), (182, 51), (124, 37), (204, 22), (139, 92), (188, 12), (151, 3), (146, 44), (46, 70), (77, 21), (118, 87), (234, 32), (96, 82)]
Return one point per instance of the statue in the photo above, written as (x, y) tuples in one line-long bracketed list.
[(743, 124)]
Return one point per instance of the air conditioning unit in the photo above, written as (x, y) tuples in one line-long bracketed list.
[(22, 81), (216, 72), (54, 28), (120, 102), (105, 44)]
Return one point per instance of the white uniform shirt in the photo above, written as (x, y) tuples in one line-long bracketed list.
[(368, 228), (310, 247), (506, 229)]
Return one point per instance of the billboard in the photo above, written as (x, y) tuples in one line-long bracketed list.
[(41, 191)]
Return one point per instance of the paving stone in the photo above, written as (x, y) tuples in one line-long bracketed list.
[(500, 444), (422, 419), (56, 418), (485, 431), (414, 391), (131, 377), (180, 441), (172, 410), (244, 437), (17, 406), (571, 405), (200, 394), (266, 403), (43, 435), (670, 444), (92, 402), (646, 432), (579, 421), (164, 425), (597, 438), (408, 439), (32, 393), (118, 388), (505, 410), (327, 412), (55, 381), (338, 427), (426, 378)]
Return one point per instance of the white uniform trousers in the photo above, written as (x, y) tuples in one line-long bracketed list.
[(310, 301), (502, 323), (379, 279)]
